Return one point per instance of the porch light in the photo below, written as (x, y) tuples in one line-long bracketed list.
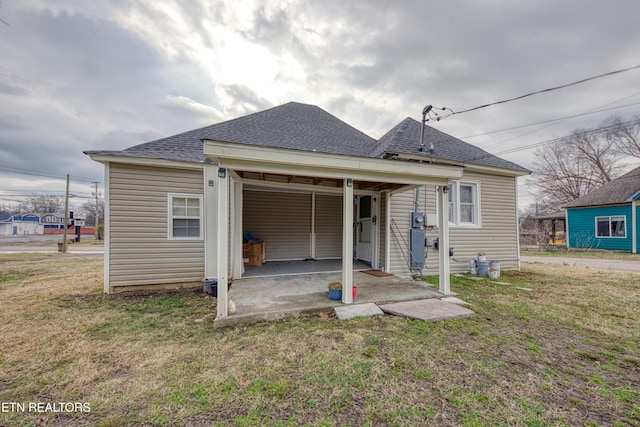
[(445, 189), (222, 172), (349, 182)]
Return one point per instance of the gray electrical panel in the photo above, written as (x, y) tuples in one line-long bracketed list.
[(416, 241)]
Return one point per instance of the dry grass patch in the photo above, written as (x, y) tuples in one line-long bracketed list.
[(564, 354)]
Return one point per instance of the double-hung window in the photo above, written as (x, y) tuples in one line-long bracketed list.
[(185, 216), (464, 203), (611, 226)]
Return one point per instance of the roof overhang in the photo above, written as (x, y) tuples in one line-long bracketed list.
[(143, 161), (468, 166), (291, 162)]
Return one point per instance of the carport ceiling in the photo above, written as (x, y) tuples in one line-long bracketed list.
[(319, 181)]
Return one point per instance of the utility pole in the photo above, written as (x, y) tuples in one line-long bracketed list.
[(66, 218), (96, 222)]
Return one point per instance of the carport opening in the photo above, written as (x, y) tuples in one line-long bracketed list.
[(300, 231)]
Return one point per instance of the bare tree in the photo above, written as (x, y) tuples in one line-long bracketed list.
[(41, 204), (576, 165), (89, 210), (7, 210), (624, 135)]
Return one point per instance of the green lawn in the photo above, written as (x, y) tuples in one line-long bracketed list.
[(592, 254), (566, 353)]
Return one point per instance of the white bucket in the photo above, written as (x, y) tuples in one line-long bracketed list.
[(473, 270), (472, 263), (482, 258), (495, 265), (493, 274)]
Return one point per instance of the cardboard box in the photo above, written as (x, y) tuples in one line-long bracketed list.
[(253, 254)]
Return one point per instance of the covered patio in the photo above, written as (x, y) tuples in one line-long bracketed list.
[(276, 297), (232, 167)]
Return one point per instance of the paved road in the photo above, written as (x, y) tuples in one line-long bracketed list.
[(40, 244), (605, 264), (76, 250)]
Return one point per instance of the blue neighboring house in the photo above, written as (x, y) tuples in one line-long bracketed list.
[(607, 218)]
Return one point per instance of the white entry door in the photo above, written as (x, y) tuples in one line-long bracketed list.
[(364, 228)]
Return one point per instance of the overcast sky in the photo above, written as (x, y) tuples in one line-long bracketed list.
[(82, 75)]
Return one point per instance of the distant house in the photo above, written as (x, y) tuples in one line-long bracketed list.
[(21, 224), (607, 218), (53, 221), (312, 188)]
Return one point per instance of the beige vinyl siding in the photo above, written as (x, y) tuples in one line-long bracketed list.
[(281, 220), (497, 235), (140, 251), (401, 206), (328, 226)]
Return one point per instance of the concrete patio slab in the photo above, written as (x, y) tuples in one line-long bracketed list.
[(347, 312), (277, 297), (430, 310), (457, 301)]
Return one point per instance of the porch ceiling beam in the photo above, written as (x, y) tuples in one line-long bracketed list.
[(291, 162), (385, 176), (366, 185), (303, 187)]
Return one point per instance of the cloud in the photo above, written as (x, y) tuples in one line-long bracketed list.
[(108, 74)]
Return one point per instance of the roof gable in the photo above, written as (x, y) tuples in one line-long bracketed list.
[(404, 138), (620, 190), (304, 127), (292, 126)]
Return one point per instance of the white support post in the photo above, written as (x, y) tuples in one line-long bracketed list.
[(312, 249), (237, 263), (443, 241), (210, 221), (347, 241), (387, 234), (222, 184), (375, 231)]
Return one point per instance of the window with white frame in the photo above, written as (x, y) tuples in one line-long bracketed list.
[(464, 206), (611, 226), (185, 216)]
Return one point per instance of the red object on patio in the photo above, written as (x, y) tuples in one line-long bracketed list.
[(355, 291)]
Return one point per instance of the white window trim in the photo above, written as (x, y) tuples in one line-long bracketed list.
[(477, 211), (170, 216), (610, 230)]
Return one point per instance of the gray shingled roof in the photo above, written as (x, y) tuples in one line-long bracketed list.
[(619, 190), (293, 126), (306, 127), (405, 139)]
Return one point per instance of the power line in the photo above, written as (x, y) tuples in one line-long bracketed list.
[(46, 175), (553, 141), (553, 120), (437, 117), (564, 138)]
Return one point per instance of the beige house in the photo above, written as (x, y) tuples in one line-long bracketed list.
[(312, 188)]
